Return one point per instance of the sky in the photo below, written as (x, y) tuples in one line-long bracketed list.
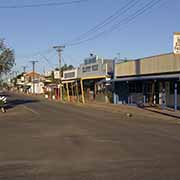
[(30, 31)]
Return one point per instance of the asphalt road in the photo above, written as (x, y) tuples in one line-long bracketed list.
[(42, 140)]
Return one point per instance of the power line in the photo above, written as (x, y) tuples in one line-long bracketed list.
[(42, 4), (139, 12), (47, 59), (35, 54), (129, 5), (71, 59), (24, 68), (63, 60), (125, 21)]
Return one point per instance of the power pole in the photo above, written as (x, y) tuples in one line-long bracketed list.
[(59, 49), (24, 68), (33, 64), (119, 56)]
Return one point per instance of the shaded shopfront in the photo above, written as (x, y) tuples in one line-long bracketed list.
[(161, 90), (149, 81)]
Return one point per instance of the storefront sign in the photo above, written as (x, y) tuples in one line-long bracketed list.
[(56, 75), (176, 43)]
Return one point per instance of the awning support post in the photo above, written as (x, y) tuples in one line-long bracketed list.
[(175, 96), (82, 91)]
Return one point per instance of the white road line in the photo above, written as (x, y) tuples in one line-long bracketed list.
[(31, 110)]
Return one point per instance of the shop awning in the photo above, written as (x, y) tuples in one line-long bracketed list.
[(149, 77)]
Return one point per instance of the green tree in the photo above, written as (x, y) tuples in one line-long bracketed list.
[(65, 67), (7, 58)]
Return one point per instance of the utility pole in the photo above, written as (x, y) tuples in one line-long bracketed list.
[(119, 56), (59, 49), (33, 64), (24, 68)]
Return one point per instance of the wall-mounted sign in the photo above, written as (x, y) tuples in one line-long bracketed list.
[(18, 81), (56, 75), (48, 73), (177, 43), (22, 78)]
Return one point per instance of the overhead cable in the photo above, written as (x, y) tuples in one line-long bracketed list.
[(38, 5), (123, 21)]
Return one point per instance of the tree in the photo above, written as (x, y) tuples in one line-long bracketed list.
[(7, 58), (65, 67)]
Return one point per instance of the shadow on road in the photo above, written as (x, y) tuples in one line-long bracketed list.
[(15, 102)]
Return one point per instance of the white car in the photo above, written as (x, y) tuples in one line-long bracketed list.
[(3, 101)]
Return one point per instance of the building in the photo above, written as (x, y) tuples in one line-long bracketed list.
[(92, 72), (71, 84), (95, 67), (33, 80), (83, 83), (152, 80), (70, 75)]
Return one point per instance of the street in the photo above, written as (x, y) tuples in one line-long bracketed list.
[(44, 140)]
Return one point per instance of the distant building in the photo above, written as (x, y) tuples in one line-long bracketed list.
[(93, 71), (70, 75), (37, 79), (90, 73), (95, 67)]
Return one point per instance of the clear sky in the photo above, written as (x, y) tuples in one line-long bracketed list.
[(29, 30)]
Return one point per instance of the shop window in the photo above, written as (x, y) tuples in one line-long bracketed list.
[(95, 67), (135, 87), (90, 60), (139, 87), (88, 69), (132, 87), (69, 75), (84, 69)]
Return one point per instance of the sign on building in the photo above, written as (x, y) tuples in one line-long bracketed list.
[(18, 81), (22, 78), (56, 75), (48, 73), (177, 43)]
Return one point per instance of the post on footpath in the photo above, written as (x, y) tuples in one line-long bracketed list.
[(163, 96), (72, 90), (77, 91), (113, 83), (67, 88), (82, 91), (175, 96)]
